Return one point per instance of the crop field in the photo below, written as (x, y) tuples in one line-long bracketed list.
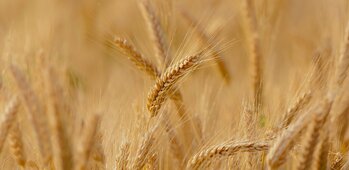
[(174, 84)]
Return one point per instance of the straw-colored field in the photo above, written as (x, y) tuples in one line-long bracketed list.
[(174, 84)]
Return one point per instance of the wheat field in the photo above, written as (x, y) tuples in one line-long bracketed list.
[(174, 84)]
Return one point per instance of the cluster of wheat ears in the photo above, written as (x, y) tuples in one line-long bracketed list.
[(279, 98)]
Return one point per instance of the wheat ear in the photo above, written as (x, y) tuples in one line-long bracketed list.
[(7, 120), (165, 83), (300, 103), (175, 144), (87, 141), (337, 162), (156, 32), (343, 65), (277, 153), (205, 40), (254, 50), (123, 158), (63, 144), (321, 154), (226, 149), (310, 141), (153, 162), (37, 115), (144, 149), (16, 146), (137, 58)]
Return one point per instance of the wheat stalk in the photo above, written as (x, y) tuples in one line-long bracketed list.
[(226, 149)]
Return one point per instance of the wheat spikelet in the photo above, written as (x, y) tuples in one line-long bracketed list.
[(87, 141), (254, 50), (156, 32), (7, 120), (144, 149), (343, 65), (31, 165), (314, 129), (204, 38), (97, 154), (37, 115), (165, 83), (137, 58), (16, 146), (226, 149), (123, 158), (295, 108), (338, 162), (153, 162)]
